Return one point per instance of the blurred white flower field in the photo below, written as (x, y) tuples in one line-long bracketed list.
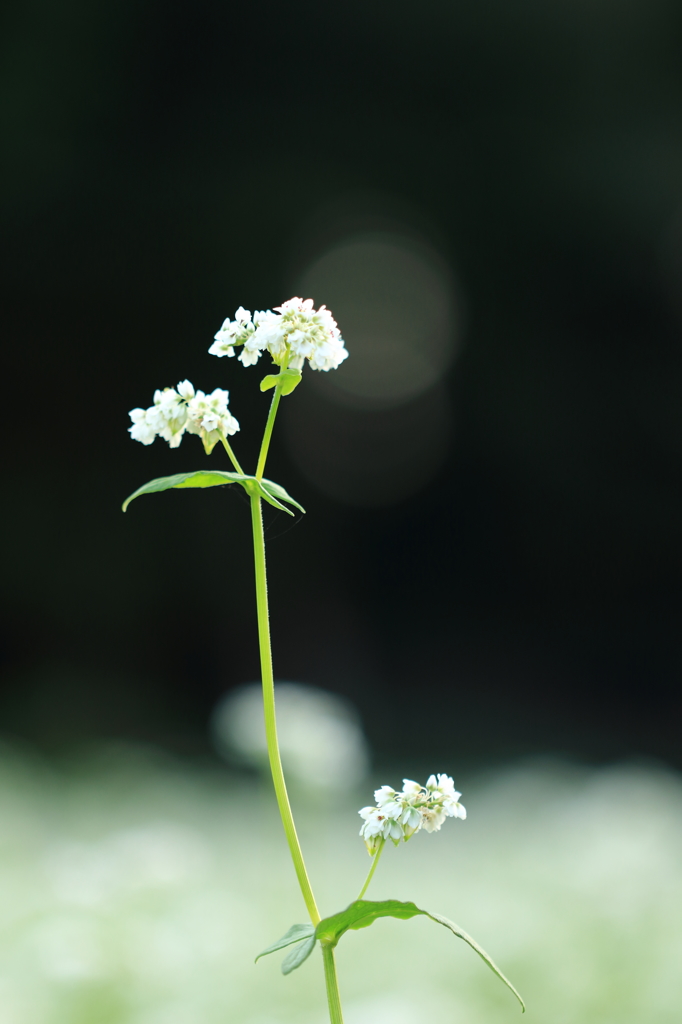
[(135, 889)]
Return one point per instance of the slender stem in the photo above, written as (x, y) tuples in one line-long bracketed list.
[(375, 861), (267, 434), (269, 708), (333, 996), (232, 456)]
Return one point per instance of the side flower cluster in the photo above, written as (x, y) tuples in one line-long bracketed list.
[(183, 409), (398, 816), (291, 333)]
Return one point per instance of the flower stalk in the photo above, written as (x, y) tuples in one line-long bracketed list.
[(230, 454), (267, 433), (375, 861)]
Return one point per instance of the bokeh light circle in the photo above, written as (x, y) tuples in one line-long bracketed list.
[(394, 299), (321, 740)]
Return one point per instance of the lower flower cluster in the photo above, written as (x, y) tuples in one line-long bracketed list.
[(176, 411), (398, 816)]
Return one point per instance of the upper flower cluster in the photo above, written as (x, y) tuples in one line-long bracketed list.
[(175, 411), (293, 332), (398, 816)]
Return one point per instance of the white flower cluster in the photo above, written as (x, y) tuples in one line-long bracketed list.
[(293, 332), (398, 816), (183, 409)]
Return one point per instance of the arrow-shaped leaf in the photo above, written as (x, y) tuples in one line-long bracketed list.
[(304, 935), (200, 478), (363, 913), (271, 492)]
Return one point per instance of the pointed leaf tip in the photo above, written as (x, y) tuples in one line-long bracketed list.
[(461, 934), (296, 933), (276, 491), (363, 913)]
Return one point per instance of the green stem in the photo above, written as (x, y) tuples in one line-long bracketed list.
[(375, 861), (232, 456), (269, 709), (333, 996), (267, 434)]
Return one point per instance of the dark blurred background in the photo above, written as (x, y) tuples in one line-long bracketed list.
[(488, 197)]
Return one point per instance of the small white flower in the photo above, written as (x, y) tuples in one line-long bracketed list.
[(383, 794), (233, 332), (209, 417), (374, 821), (308, 333), (141, 429), (394, 831), (372, 831), (411, 821), (175, 411), (250, 354), (185, 390), (398, 816), (379, 826), (432, 818), (169, 413), (294, 332), (390, 802), (445, 790)]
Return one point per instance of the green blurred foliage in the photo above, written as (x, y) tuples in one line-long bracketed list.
[(137, 889)]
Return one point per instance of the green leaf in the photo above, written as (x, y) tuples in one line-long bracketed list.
[(296, 933), (275, 491), (461, 934), (286, 379), (266, 489), (298, 955), (363, 913), (200, 478)]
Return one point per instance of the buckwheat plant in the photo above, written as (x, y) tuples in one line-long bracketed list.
[(291, 334)]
